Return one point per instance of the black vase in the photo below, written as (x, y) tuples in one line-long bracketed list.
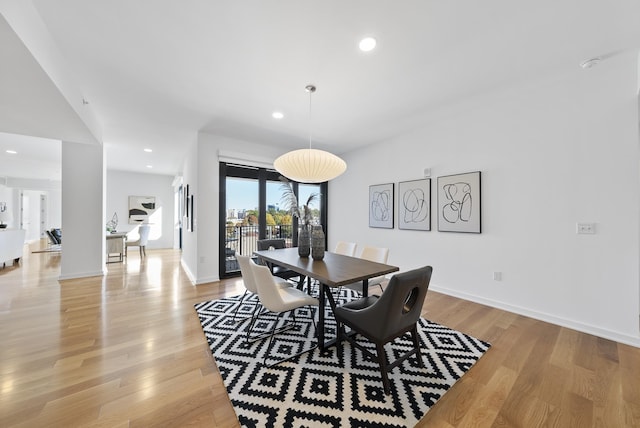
[(303, 242), (317, 243)]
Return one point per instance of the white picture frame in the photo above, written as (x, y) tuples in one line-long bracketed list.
[(414, 204), (459, 203), (381, 205)]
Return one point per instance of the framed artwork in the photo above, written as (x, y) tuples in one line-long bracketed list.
[(186, 200), (140, 208), (381, 206), (414, 204), (191, 223), (459, 203)]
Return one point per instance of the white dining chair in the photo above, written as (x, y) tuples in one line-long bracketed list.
[(279, 300), (374, 254), (346, 248), (251, 289)]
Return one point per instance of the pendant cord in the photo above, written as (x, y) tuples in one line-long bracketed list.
[(310, 92)]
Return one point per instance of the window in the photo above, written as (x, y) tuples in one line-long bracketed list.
[(251, 208)]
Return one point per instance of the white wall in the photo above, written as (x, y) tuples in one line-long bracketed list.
[(8, 195), (122, 184), (54, 209), (190, 239), (553, 153), (11, 195), (201, 171), (31, 214)]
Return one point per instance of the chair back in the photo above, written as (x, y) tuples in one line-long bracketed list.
[(57, 235), (400, 305), (264, 244), (51, 237), (346, 248), (268, 290), (247, 273), (375, 254), (144, 234)]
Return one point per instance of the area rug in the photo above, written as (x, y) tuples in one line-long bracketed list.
[(338, 388)]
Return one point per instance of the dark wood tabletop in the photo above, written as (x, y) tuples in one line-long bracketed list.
[(334, 270)]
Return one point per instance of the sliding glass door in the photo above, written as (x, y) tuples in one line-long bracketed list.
[(251, 208)]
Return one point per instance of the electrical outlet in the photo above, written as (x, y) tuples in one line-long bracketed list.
[(585, 228), (497, 276)]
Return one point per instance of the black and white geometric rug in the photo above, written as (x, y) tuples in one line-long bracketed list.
[(340, 388)]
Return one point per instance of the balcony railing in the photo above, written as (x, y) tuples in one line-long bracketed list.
[(243, 240)]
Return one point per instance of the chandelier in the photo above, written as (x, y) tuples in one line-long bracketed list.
[(310, 165)]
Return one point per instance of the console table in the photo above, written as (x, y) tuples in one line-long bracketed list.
[(11, 245), (116, 246)]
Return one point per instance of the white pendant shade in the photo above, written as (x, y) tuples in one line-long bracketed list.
[(310, 165)]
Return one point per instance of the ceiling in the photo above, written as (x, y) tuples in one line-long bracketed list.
[(153, 73)]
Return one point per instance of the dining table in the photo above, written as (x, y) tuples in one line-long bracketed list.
[(333, 270)]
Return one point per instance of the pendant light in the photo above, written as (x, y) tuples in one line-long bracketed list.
[(310, 165)]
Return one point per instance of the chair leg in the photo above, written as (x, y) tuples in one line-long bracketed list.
[(416, 344), (382, 360), (254, 317), (273, 332), (144, 250), (239, 304)]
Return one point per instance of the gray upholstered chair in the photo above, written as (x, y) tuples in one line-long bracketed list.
[(279, 300), (282, 272), (383, 319)]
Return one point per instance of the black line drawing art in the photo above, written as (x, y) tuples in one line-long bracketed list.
[(381, 206), (414, 205), (380, 209), (459, 203)]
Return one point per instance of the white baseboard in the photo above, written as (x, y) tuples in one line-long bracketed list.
[(80, 275), (186, 269), (563, 322), (207, 280)]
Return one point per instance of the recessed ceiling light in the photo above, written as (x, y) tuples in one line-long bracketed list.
[(149, 166), (12, 152), (277, 115), (148, 150), (367, 44)]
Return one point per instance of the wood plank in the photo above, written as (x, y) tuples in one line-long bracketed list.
[(127, 350)]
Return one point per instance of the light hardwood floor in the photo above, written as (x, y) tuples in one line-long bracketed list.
[(126, 350)]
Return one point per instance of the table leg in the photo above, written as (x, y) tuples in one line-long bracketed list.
[(321, 318), (365, 287), (325, 291)]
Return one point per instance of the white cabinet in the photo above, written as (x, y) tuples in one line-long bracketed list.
[(11, 244)]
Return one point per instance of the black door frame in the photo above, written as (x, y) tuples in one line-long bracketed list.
[(262, 175)]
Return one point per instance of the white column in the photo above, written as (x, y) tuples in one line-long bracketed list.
[(83, 205)]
